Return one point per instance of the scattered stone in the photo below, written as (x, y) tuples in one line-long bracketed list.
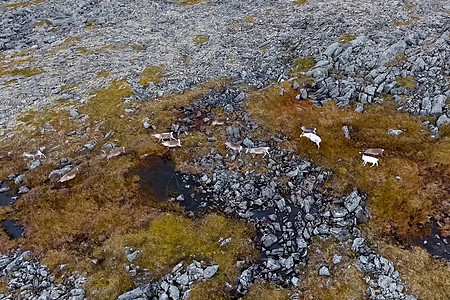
[(346, 132), (324, 271)]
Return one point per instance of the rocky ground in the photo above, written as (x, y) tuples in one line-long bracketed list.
[(59, 57)]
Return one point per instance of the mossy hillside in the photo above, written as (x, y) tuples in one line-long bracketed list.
[(399, 205), (68, 221), (170, 239), (345, 280)]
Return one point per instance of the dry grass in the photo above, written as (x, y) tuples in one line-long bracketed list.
[(299, 2), (398, 205), (267, 291), (423, 276), (345, 281)]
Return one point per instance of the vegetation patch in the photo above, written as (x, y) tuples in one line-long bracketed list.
[(249, 19), (42, 23), (422, 275), (267, 291), (21, 4), (346, 38), (299, 2), (190, 2), (398, 205), (407, 81), (345, 280), (76, 221), (152, 74), (302, 65), (398, 61), (201, 39)]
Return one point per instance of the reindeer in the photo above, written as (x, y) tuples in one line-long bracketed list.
[(164, 136), (32, 156), (259, 150), (172, 144), (115, 152), (234, 146), (313, 138), (308, 129), (369, 159), (219, 122), (373, 151)]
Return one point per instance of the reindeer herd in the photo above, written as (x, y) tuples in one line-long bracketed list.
[(168, 140)]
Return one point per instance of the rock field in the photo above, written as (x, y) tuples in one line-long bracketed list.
[(356, 53)]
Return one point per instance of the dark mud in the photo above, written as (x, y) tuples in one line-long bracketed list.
[(157, 177)]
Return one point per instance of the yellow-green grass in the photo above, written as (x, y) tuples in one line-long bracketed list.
[(346, 38), (397, 205), (170, 239), (152, 74), (201, 39)]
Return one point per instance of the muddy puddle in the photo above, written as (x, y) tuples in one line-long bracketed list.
[(13, 229), (435, 244), (6, 199), (158, 178)]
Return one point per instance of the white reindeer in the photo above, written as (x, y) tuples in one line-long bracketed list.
[(373, 151), (313, 138), (308, 129), (172, 144), (259, 150), (234, 146), (32, 156), (219, 122), (369, 159), (115, 152), (164, 136)]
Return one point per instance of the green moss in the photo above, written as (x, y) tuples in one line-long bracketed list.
[(346, 38), (299, 2), (399, 60), (407, 81), (249, 19), (21, 4), (68, 87), (304, 64), (152, 74), (189, 2), (26, 72), (42, 23), (403, 23), (103, 74), (85, 50), (201, 39)]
